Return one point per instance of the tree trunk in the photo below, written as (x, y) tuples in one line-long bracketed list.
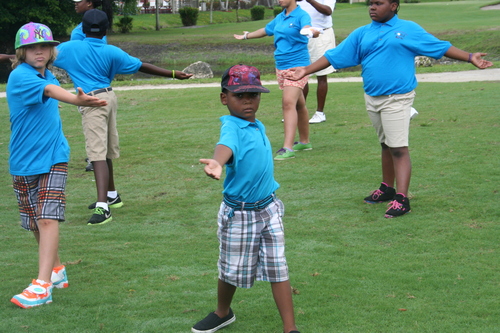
[(107, 7), (157, 12)]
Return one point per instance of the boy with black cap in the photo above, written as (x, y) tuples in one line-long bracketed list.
[(250, 232), (92, 64)]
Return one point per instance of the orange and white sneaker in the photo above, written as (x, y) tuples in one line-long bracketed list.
[(36, 294), (59, 277)]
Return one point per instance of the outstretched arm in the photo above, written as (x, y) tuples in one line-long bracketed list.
[(155, 70), (6, 57), (213, 167), (298, 73), (81, 99), (323, 9), (474, 58), (254, 34)]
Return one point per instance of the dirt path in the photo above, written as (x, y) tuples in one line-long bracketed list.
[(492, 74)]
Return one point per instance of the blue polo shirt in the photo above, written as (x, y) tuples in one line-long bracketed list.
[(291, 46), (92, 64), (386, 52), (78, 34), (250, 172), (37, 141)]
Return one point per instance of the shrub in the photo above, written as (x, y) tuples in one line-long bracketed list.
[(258, 13), (277, 10), (124, 24), (189, 16)]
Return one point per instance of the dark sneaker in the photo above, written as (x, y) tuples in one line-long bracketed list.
[(100, 216), (383, 194), (112, 203), (90, 166), (213, 322), (399, 206)]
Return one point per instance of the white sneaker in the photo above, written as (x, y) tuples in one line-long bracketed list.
[(413, 113), (318, 117)]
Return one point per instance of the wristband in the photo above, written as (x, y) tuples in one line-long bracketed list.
[(245, 35), (470, 57), (173, 74)]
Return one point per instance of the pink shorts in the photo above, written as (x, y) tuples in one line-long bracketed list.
[(284, 82)]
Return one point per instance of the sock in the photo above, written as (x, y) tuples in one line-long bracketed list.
[(112, 194), (102, 205), (288, 149), (320, 112), (42, 282)]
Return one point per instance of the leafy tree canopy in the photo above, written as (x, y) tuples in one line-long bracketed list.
[(58, 15)]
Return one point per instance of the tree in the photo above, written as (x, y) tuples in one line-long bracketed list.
[(58, 15)]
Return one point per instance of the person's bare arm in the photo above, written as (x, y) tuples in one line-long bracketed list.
[(254, 34), (155, 70), (323, 9), (213, 167), (297, 73), (474, 58), (6, 57), (81, 99)]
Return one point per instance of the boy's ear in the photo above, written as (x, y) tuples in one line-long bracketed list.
[(223, 98)]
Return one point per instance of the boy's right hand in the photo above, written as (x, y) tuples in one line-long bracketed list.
[(295, 73), (212, 168)]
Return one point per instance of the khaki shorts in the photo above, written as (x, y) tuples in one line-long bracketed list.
[(99, 128), (390, 116), (318, 46)]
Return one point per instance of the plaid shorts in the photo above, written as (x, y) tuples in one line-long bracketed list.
[(41, 196), (283, 82), (252, 245)]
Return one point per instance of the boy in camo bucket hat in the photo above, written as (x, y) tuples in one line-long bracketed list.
[(39, 154)]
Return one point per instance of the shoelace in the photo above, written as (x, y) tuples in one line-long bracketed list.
[(99, 210), (395, 205), (376, 194), (281, 151)]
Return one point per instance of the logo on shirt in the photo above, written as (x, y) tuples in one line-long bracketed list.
[(400, 35)]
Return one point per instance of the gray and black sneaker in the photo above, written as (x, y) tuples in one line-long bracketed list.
[(90, 166), (213, 322), (112, 203), (100, 216), (383, 194)]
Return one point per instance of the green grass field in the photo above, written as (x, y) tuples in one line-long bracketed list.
[(153, 269), (463, 23)]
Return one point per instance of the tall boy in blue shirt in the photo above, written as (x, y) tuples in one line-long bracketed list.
[(250, 232), (92, 65), (386, 49)]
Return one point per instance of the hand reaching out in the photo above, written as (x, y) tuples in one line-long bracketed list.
[(479, 62), (87, 100), (212, 168)]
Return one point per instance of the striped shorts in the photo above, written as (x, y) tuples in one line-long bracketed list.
[(252, 245), (41, 196)]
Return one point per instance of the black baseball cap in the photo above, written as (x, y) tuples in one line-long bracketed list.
[(242, 78), (95, 21)]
